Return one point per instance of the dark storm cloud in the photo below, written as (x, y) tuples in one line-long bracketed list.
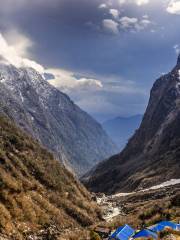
[(72, 35)]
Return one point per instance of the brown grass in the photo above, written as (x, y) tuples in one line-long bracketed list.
[(36, 190)]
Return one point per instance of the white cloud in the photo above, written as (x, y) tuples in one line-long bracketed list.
[(137, 2), (116, 23), (143, 24), (133, 24), (16, 53), (141, 2), (114, 13), (174, 7), (127, 22), (20, 42), (110, 26), (66, 81), (103, 5), (176, 48)]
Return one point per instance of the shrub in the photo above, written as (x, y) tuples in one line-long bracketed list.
[(94, 236), (175, 201)]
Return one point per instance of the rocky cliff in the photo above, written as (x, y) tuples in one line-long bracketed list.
[(52, 118), (152, 155)]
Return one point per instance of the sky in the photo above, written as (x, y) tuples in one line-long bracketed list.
[(105, 54)]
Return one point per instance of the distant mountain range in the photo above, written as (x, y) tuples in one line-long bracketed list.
[(120, 129), (52, 118), (152, 155)]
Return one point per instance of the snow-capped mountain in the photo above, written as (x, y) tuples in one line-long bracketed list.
[(51, 117), (152, 155)]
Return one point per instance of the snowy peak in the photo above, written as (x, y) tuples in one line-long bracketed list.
[(51, 117)]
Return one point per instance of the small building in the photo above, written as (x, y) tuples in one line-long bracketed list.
[(122, 233), (145, 234)]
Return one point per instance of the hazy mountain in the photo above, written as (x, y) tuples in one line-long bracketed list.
[(120, 129), (38, 196), (152, 155), (51, 117)]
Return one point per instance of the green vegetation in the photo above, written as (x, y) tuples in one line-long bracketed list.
[(36, 191)]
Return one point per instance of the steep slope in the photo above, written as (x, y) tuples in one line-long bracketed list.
[(120, 129), (152, 155), (52, 118), (36, 191)]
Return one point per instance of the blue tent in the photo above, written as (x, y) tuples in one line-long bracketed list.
[(146, 233), (168, 224), (123, 233), (162, 225), (178, 227), (157, 228)]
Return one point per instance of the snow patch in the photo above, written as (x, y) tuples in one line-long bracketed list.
[(179, 75), (165, 184), (162, 185)]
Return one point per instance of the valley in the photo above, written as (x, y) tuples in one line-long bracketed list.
[(115, 205), (89, 120), (152, 153)]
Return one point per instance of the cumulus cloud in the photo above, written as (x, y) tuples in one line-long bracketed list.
[(117, 22), (114, 13), (67, 81), (174, 7), (108, 99), (16, 53), (134, 24), (125, 24), (110, 26)]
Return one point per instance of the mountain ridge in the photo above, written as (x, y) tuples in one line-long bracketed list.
[(51, 117), (120, 129), (152, 154)]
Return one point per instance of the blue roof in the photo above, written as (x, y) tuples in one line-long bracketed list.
[(157, 228), (145, 234), (123, 233), (168, 224), (162, 225)]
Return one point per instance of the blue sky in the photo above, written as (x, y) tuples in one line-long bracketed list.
[(104, 54)]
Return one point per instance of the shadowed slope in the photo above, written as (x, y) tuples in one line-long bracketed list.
[(152, 155)]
